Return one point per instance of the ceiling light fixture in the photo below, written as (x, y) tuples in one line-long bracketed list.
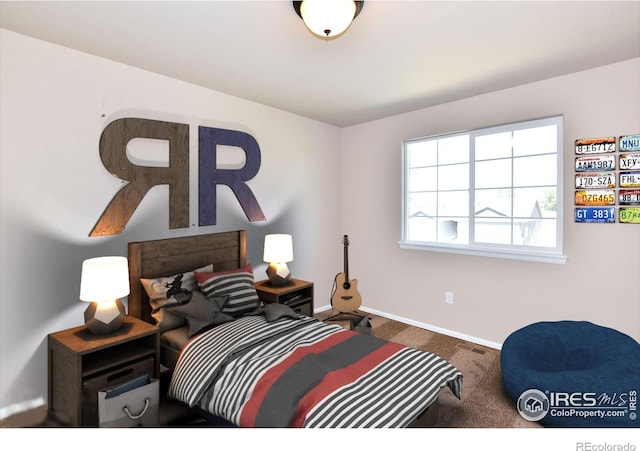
[(328, 18)]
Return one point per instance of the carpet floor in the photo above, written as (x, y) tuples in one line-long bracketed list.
[(484, 402)]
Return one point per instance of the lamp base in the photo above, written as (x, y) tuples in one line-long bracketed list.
[(278, 274), (104, 318)]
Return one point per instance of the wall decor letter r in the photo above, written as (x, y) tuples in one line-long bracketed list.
[(113, 152), (209, 176)]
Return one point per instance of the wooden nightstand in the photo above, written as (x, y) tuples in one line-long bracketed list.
[(81, 364), (298, 294)]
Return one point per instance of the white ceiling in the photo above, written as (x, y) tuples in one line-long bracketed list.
[(398, 56)]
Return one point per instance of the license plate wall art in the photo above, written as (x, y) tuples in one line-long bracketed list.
[(595, 214), (595, 180), (590, 146), (629, 161), (630, 215), (607, 180), (629, 197)]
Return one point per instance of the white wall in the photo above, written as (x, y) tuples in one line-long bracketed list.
[(55, 104), (316, 182), (492, 297)]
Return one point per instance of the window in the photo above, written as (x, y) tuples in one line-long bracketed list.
[(495, 191)]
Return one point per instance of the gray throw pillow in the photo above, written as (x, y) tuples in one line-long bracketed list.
[(201, 312), (274, 312)]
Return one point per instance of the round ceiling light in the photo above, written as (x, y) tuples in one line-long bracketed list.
[(328, 18)]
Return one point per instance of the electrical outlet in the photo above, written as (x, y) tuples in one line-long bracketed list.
[(448, 297)]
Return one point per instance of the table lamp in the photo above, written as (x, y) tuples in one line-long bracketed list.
[(104, 281), (278, 250)]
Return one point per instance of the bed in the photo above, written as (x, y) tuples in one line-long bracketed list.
[(255, 365)]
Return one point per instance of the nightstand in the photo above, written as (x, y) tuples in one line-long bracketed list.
[(81, 364), (297, 294)]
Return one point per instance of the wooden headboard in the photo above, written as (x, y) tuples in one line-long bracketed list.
[(166, 257)]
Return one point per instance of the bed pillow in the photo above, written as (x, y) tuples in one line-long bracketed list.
[(201, 312), (167, 291), (237, 284)]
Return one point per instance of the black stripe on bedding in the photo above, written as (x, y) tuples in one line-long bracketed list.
[(400, 399), (280, 403), (243, 369), (219, 370), (203, 358)]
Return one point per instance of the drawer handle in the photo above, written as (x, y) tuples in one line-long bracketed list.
[(137, 417)]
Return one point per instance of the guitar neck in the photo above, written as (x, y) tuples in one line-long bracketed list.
[(347, 283), (346, 262)]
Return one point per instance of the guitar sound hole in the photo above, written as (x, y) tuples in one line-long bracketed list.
[(346, 285)]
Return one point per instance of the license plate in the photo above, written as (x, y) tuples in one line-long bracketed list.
[(629, 143), (630, 215), (596, 197), (596, 145), (596, 180), (596, 163), (595, 214), (630, 161), (629, 197), (630, 179)]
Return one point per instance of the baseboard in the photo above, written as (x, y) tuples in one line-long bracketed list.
[(432, 328)]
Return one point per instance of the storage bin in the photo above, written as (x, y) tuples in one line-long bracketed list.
[(92, 385), (133, 404)]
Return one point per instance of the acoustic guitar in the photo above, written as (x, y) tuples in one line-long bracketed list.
[(346, 298)]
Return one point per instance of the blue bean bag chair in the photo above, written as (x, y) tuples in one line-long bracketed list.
[(573, 374)]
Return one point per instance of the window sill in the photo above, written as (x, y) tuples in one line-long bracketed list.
[(557, 259)]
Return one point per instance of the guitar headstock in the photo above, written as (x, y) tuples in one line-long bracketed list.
[(345, 240)]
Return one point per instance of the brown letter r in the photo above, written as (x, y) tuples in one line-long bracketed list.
[(113, 152)]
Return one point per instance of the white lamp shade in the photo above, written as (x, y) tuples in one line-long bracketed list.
[(104, 279), (278, 248), (328, 18)]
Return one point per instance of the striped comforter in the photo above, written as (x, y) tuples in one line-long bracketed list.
[(305, 373)]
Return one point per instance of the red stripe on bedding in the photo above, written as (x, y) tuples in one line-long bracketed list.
[(340, 378), (250, 409)]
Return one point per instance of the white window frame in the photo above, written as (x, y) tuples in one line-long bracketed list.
[(513, 252)]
